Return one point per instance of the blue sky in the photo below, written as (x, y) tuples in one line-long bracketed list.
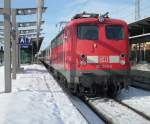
[(63, 10)]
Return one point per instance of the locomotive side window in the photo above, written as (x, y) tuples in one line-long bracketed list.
[(87, 32), (114, 32)]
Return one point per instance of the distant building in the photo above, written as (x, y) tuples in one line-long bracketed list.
[(140, 40)]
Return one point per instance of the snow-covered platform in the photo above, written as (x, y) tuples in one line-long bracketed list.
[(36, 98)]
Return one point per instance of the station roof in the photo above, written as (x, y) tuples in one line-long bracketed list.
[(139, 31), (140, 38), (28, 31), (28, 11), (27, 24), (25, 11), (31, 35), (139, 27), (24, 24)]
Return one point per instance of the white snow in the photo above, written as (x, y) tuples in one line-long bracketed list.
[(1, 78), (143, 67), (36, 98), (117, 113), (88, 113), (136, 98)]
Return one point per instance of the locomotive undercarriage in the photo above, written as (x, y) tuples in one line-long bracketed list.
[(102, 85), (94, 85)]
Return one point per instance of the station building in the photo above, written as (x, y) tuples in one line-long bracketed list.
[(27, 52), (139, 36)]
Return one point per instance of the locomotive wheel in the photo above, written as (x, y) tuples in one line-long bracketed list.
[(73, 88), (65, 82), (112, 90)]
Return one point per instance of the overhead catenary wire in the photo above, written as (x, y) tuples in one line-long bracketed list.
[(131, 15), (118, 12)]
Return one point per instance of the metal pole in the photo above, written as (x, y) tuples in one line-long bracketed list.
[(17, 49), (32, 54), (39, 19), (19, 55), (14, 43), (137, 9), (7, 50)]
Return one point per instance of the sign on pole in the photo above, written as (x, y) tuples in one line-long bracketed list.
[(25, 42)]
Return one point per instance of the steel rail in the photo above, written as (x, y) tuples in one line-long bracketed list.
[(91, 117), (134, 110)]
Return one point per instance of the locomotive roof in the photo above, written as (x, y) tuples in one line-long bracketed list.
[(76, 21), (95, 20)]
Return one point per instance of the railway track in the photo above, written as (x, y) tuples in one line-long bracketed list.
[(133, 109), (116, 112), (89, 115), (107, 111)]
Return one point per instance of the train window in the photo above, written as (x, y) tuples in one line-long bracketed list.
[(114, 32), (87, 32)]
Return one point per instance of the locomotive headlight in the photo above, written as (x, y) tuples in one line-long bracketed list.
[(83, 62), (83, 56), (83, 59), (123, 59), (122, 62)]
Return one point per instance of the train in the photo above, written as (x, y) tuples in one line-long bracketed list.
[(90, 55)]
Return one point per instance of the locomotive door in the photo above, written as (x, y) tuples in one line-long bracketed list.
[(66, 47)]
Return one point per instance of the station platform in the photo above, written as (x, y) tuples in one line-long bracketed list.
[(36, 98)]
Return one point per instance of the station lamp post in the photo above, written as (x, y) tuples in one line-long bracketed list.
[(40, 4)]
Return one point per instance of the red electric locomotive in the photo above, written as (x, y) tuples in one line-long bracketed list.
[(91, 55)]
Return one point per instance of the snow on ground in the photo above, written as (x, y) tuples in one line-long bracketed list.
[(36, 98), (1, 79), (136, 98), (117, 113), (93, 118), (143, 67)]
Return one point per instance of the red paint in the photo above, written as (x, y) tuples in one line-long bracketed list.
[(67, 55)]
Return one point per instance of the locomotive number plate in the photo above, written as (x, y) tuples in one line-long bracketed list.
[(103, 59), (103, 66)]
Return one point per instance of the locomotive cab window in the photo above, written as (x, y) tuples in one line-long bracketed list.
[(87, 32), (114, 32)]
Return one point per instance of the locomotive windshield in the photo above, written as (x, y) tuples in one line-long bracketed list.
[(114, 32), (87, 32)]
